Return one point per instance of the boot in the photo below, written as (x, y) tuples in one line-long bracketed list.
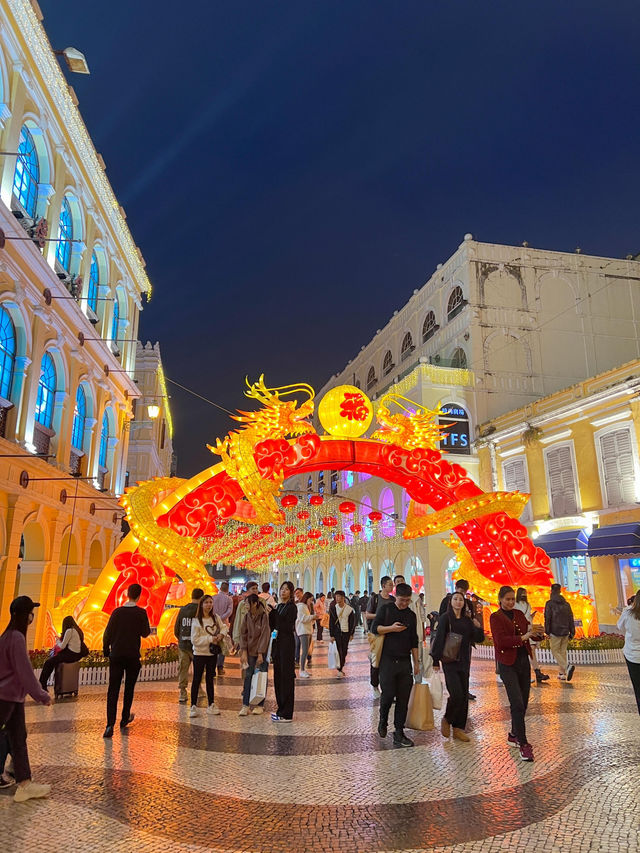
[(541, 676), (445, 727)]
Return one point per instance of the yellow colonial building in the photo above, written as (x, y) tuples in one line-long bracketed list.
[(576, 452)]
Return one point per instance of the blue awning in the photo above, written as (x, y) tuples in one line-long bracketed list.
[(563, 543), (615, 539)]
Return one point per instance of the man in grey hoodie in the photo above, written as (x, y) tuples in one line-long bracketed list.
[(560, 626)]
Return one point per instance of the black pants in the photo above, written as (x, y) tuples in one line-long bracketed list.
[(456, 676), (130, 669), (64, 656), (319, 630), (396, 681), (284, 675), (206, 664), (374, 676), (12, 716), (517, 681), (297, 641), (342, 647), (634, 674)]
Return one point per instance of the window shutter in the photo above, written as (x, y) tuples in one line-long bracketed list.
[(515, 479), (561, 482), (618, 467)]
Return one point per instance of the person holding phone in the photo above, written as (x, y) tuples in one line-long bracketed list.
[(207, 632)]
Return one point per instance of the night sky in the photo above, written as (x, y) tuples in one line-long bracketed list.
[(292, 170)]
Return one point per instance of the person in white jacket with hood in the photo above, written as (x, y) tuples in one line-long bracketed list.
[(304, 629), (207, 632)]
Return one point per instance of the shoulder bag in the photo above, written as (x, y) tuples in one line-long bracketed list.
[(452, 646)]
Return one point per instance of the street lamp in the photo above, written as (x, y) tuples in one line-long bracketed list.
[(153, 410), (76, 61)]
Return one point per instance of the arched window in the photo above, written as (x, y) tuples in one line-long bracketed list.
[(365, 509), (7, 352), (27, 174), (387, 507), (115, 323), (65, 235), (371, 378), (104, 441), (46, 391), (407, 347), (429, 327), (79, 415), (387, 364), (94, 281), (456, 302), (459, 358)]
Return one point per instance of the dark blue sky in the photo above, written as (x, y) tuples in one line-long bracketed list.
[(293, 169)]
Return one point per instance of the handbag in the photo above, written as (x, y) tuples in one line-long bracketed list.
[(436, 689), (324, 621), (214, 648), (376, 642), (332, 656), (420, 711), (258, 687), (452, 646)]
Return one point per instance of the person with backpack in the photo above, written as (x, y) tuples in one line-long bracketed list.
[(560, 626), (376, 601), (182, 632)]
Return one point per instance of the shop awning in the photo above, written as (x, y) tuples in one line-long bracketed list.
[(615, 539), (563, 543)]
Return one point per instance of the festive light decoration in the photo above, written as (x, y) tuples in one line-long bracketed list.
[(316, 500), (375, 516), (513, 503), (355, 528), (289, 501), (330, 521), (347, 507), (303, 515), (345, 412)]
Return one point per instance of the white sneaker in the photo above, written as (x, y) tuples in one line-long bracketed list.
[(213, 709), (193, 712), (305, 674), (31, 791), (244, 711)]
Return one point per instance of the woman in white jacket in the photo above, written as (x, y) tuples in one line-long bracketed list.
[(304, 629), (207, 631)]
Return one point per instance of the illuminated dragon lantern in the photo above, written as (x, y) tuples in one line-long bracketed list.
[(236, 511)]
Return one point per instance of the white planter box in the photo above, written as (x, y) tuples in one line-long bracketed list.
[(91, 675), (580, 657)]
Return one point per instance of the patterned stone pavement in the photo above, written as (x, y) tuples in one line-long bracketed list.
[(326, 782)]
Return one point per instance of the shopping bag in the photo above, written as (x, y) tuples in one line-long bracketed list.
[(333, 662), (437, 690), (420, 712), (427, 665), (375, 648), (258, 687)]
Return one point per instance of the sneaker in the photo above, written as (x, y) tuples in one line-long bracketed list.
[(562, 677), (304, 674), (108, 732), (526, 752), (31, 791), (382, 729), (340, 674), (193, 712), (259, 709), (402, 740), (213, 709), (276, 719), (570, 670), (6, 781), (221, 671), (512, 740), (183, 697), (125, 723), (244, 711), (472, 697)]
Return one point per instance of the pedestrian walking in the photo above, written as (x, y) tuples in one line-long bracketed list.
[(376, 601), (17, 679), (304, 630), (342, 624), (241, 611), (560, 626), (127, 625), (282, 622), (207, 633), (68, 649), (629, 624), (266, 596), (462, 586), (223, 608), (522, 604), (511, 634), (182, 632), (452, 647), (320, 610), (354, 603), (254, 645), (396, 622), (297, 598)]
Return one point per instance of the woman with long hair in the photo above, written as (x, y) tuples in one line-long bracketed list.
[(522, 603), (511, 634), (254, 645), (282, 621), (207, 631), (629, 624), (16, 680), (456, 621), (304, 629), (69, 649)]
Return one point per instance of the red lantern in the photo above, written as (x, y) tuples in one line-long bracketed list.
[(356, 528), (289, 501), (314, 533), (218, 534), (290, 529), (266, 530), (330, 521), (303, 515), (375, 516), (338, 537), (316, 500), (243, 530), (301, 538), (347, 507), (323, 543)]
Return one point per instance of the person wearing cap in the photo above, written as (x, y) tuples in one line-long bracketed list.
[(121, 644), (17, 679)]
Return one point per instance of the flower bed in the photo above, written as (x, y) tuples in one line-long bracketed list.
[(605, 649), (158, 664)]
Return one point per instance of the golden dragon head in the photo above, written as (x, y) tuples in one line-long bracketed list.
[(278, 417), (413, 426)]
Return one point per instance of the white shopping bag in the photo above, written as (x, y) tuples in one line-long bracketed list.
[(332, 657), (435, 686), (258, 687)]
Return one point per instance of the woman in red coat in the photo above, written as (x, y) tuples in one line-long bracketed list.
[(511, 634)]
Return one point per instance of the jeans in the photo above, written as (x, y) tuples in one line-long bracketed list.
[(297, 649), (634, 674), (130, 669), (64, 656), (517, 681), (456, 676), (12, 715), (206, 664), (220, 663), (305, 642), (246, 688), (396, 681)]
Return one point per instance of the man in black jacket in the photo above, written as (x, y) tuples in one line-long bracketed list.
[(342, 624), (182, 631), (121, 644), (560, 626)]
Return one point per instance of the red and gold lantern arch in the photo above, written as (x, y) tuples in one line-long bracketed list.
[(238, 511)]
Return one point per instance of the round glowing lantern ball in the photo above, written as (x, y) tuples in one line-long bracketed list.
[(345, 412)]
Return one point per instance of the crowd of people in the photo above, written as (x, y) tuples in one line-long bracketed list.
[(264, 627)]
